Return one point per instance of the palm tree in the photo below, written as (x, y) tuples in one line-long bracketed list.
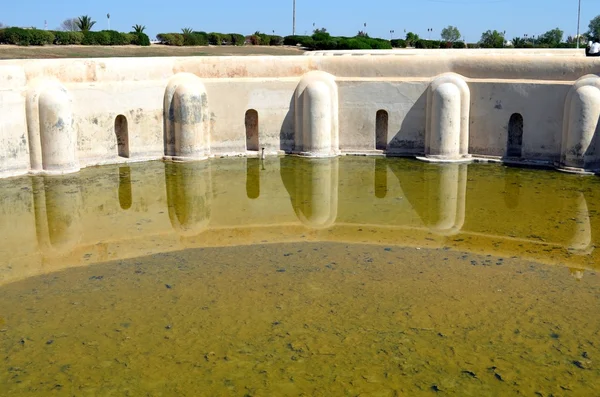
[(85, 23), (187, 30), (139, 28)]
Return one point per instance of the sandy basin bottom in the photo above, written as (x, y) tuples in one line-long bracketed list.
[(303, 319)]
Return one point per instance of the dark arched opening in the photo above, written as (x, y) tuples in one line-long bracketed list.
[(381, 130), (122, 133), (515, 135), (251, 122)]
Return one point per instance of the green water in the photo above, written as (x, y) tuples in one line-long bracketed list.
[(347, 276)]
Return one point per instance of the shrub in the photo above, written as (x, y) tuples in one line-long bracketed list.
[(304, 41), (473, 45), (96, 38), (459, 44), (116, 38), (429, 44), (191, 39), (16, 36), (321, 36), (237, 39), (398, 43), (40, 37), (380, 44), (140, 38), (352, 44), (175, 39), (254, 39), (68, 38), (215, 38), (275, 40), (445, 44)]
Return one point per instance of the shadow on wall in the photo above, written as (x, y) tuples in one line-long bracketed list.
[(410, 138), (312, 184), (286, 133)]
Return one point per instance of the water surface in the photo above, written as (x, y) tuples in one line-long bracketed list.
[(347, 276)]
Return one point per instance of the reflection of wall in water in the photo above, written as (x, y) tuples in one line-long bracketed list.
[(437, 192), (512, 188), (313, 188), (189, 196), (581, 242), (380, 179), (58, 207), (253, 166), (523, 205), (125, 194)]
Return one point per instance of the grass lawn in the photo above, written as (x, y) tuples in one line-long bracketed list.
[(156, 50)]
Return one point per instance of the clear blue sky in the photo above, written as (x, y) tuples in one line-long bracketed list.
[(472, 17)]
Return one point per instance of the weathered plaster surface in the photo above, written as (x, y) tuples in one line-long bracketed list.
[(534, 84)]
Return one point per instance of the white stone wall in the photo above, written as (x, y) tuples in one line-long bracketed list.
[(499, 84)]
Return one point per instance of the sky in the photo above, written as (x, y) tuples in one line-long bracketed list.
[(340, 18)]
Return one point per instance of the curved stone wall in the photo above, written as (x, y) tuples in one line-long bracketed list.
[(57, 116)]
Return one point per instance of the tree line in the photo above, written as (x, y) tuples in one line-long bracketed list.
[(80, 32)]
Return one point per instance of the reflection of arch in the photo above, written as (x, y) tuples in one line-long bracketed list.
[(512, 188), (581, 242), (380, 180), (122, 133), (251, 123), (252, 177), (125, 196), (58, 206), (515, 135), (381, 130), (188, 196), (313, 188), (439, 199)]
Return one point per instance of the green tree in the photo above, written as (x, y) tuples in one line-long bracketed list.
[(84, 23), (492, 39), (551, 38), (594, 27), (321, 30), (138, 28), (411, 38), (518, 42), (451, 34), (187, 30)]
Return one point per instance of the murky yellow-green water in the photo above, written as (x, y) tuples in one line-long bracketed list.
[(348, 276)]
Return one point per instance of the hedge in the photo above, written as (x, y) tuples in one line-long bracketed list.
[(68, 38), (26, 37), (398, 43)]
